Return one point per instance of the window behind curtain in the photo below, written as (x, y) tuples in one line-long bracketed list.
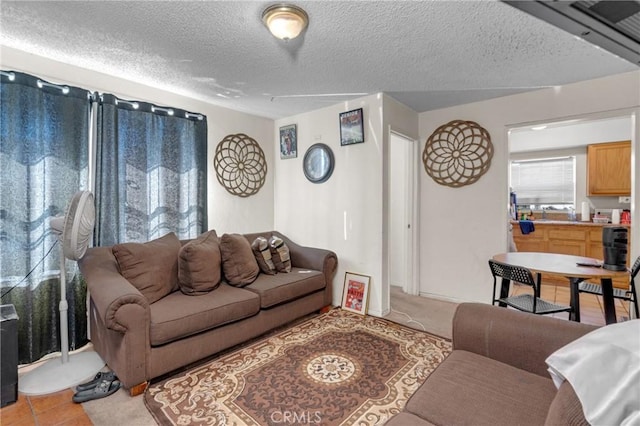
[(151, 172), (548, 182), (44, 137)]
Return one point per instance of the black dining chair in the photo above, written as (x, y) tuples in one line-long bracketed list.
[(527, 302), (629, 295)]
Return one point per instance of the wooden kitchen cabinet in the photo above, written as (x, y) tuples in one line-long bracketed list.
[(609, 169), (574, 238), (566, 240)]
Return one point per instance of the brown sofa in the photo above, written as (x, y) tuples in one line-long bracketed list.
[(140, 340), (496, 373)]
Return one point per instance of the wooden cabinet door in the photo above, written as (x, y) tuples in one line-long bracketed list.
[(567, 240), (574, 248), (535, 241), (528, 244), (609, 168), (595, 243)]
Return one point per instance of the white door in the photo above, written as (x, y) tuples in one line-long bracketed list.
[(402, 190)]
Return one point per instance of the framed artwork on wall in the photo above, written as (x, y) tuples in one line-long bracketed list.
[(351, 127), (288, 141), (355, 294)]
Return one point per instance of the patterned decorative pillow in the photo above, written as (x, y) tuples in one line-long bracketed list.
[(280, 254), (199, 263), (238, 262), (261, 251), (150, 267)]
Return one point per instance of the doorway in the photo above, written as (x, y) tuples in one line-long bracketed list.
[(402, 214), (570, 137)]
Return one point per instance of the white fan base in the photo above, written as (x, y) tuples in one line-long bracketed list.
[(54, 376)]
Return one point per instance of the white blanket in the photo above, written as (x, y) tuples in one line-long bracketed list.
[(603, 367)]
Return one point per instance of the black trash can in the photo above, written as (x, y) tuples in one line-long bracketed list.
[(614, 247), (9, 359)]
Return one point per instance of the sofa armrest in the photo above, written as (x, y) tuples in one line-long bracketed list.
[(311, 258), (110, 291), (316, 259), (516, 338)]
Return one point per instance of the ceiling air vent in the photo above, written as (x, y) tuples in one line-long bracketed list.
[(612, 25)]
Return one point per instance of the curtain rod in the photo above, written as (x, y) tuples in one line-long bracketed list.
[(63, 89), (10, 75)]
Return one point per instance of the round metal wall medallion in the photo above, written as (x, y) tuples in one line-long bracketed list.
[(318, 163), (458, 153), (241, 166)]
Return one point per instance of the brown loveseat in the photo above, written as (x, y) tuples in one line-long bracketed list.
[(496, 374), (140, 340)]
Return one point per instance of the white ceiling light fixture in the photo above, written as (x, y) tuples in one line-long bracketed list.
[(285, 21)]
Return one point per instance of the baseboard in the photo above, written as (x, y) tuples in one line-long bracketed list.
[(443, 298)]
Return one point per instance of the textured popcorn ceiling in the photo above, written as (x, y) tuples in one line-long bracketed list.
[(426, 54)]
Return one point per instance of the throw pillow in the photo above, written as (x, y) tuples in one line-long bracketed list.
[(199, 265), (280, 254), (261, 251), (238, 262), (150, 267)]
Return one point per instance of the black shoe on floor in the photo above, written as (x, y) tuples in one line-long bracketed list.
[(102, 375), (103, 388)]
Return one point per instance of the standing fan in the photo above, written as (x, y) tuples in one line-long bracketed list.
[(74, 231)]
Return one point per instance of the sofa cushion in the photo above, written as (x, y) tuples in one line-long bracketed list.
[(150, 267), (178, 315), (469, 389), (407, 419), (276, 289), (262, 252), (566, 408), (199, 265), (280, 254), (238, 262)]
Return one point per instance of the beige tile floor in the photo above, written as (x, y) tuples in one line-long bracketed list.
[(591, 308)]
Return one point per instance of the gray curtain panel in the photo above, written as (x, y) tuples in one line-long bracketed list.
[(44, 139), (151, 172)]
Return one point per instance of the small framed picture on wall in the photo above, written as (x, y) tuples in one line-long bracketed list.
[(288, 141), (355, 294), (351, 127)]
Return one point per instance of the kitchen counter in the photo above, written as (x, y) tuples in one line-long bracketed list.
[(561, 236), (566, 222)]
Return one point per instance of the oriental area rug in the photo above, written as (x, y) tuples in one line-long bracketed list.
[(338, 368)]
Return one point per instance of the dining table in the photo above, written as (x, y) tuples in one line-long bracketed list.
[(575, 268)]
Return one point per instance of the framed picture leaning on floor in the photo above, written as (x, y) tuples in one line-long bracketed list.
[(355, 294)]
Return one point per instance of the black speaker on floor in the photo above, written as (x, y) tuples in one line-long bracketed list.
[(9, 358), (614, 247)]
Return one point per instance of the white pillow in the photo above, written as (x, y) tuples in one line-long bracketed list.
[(603, 367)]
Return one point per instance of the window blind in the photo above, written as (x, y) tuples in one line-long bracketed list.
[(544, 181)]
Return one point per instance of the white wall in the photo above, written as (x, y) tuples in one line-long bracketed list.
[(342, 214), (462, 228), (226, 213), (575, 134), (347, 213)]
